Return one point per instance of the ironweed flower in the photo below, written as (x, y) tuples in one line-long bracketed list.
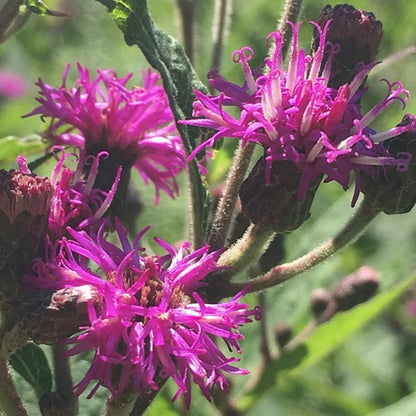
[(24, 208), (152, 323), (76, 203), (356, 33), (134, 126), (297, 117)]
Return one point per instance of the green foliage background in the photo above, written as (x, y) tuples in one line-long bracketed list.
[(370, 372)]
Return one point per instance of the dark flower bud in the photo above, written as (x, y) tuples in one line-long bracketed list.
[(50, 317), (356, 288), (283, 334), (274, 253), (24, 211), (393, 191), (358, 35), (322, 304), (51, 404), (275, 205)]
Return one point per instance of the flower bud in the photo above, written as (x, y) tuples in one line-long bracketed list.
[(24, 209), (358, 35), (275, 205), (283, 334), (356, 288), (274, 253), (49, 318), (322, 304), (393, 191)]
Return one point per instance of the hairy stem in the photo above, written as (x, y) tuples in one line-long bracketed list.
[(144, 401), (63, 381), (279, 274), (247, 249), (220, 28), (290, 14), (120, 406), (187, 10), (10, 402), (224, 213)]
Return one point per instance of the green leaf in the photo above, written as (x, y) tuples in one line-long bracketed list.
[(404, 407), (11, 147), (31, 363), (324, 340), (168, 57), (39, 7)]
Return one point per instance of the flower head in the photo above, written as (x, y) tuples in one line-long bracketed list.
[(12, 85), (297, 117), (134, 126), (153, 324), (24, 208), (76, 203)]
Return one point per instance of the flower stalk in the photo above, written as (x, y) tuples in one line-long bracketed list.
[(247, 249), (281, 273), (224, 213)]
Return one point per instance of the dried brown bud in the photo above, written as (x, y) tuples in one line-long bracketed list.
[(276, 206), (51, 317), (358, 35), (356, 288), (393, 191), (283, 333), (24, 211)]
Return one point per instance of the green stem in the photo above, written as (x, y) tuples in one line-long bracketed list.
[(220, 28), (226, 207), (63, 381), (279, 274), (187, 11), (10, 402), (290, 14), (144, 401), (120, 406), (11, 19), (247, 249)]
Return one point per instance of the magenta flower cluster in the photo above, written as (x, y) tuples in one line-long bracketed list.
[(102, 114), (76, 203), (296, 117), (152, 324)]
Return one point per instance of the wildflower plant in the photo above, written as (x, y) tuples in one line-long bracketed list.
[(141, 319)]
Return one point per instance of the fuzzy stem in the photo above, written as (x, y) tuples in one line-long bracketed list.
[(290, 14), (144, 401), (225, 210), (121, 406), (220, 28), (279, 274), (63, 381), (187, 11), (247, 249), (10, 402)]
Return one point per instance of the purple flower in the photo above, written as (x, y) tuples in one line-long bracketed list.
[(296, 117), (75, 202), (134, 126), (153, 323), (12, 85)]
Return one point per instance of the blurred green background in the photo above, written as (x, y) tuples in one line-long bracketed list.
[(371, 370)]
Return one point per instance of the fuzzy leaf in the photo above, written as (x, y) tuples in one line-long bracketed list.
[(31, 363)]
